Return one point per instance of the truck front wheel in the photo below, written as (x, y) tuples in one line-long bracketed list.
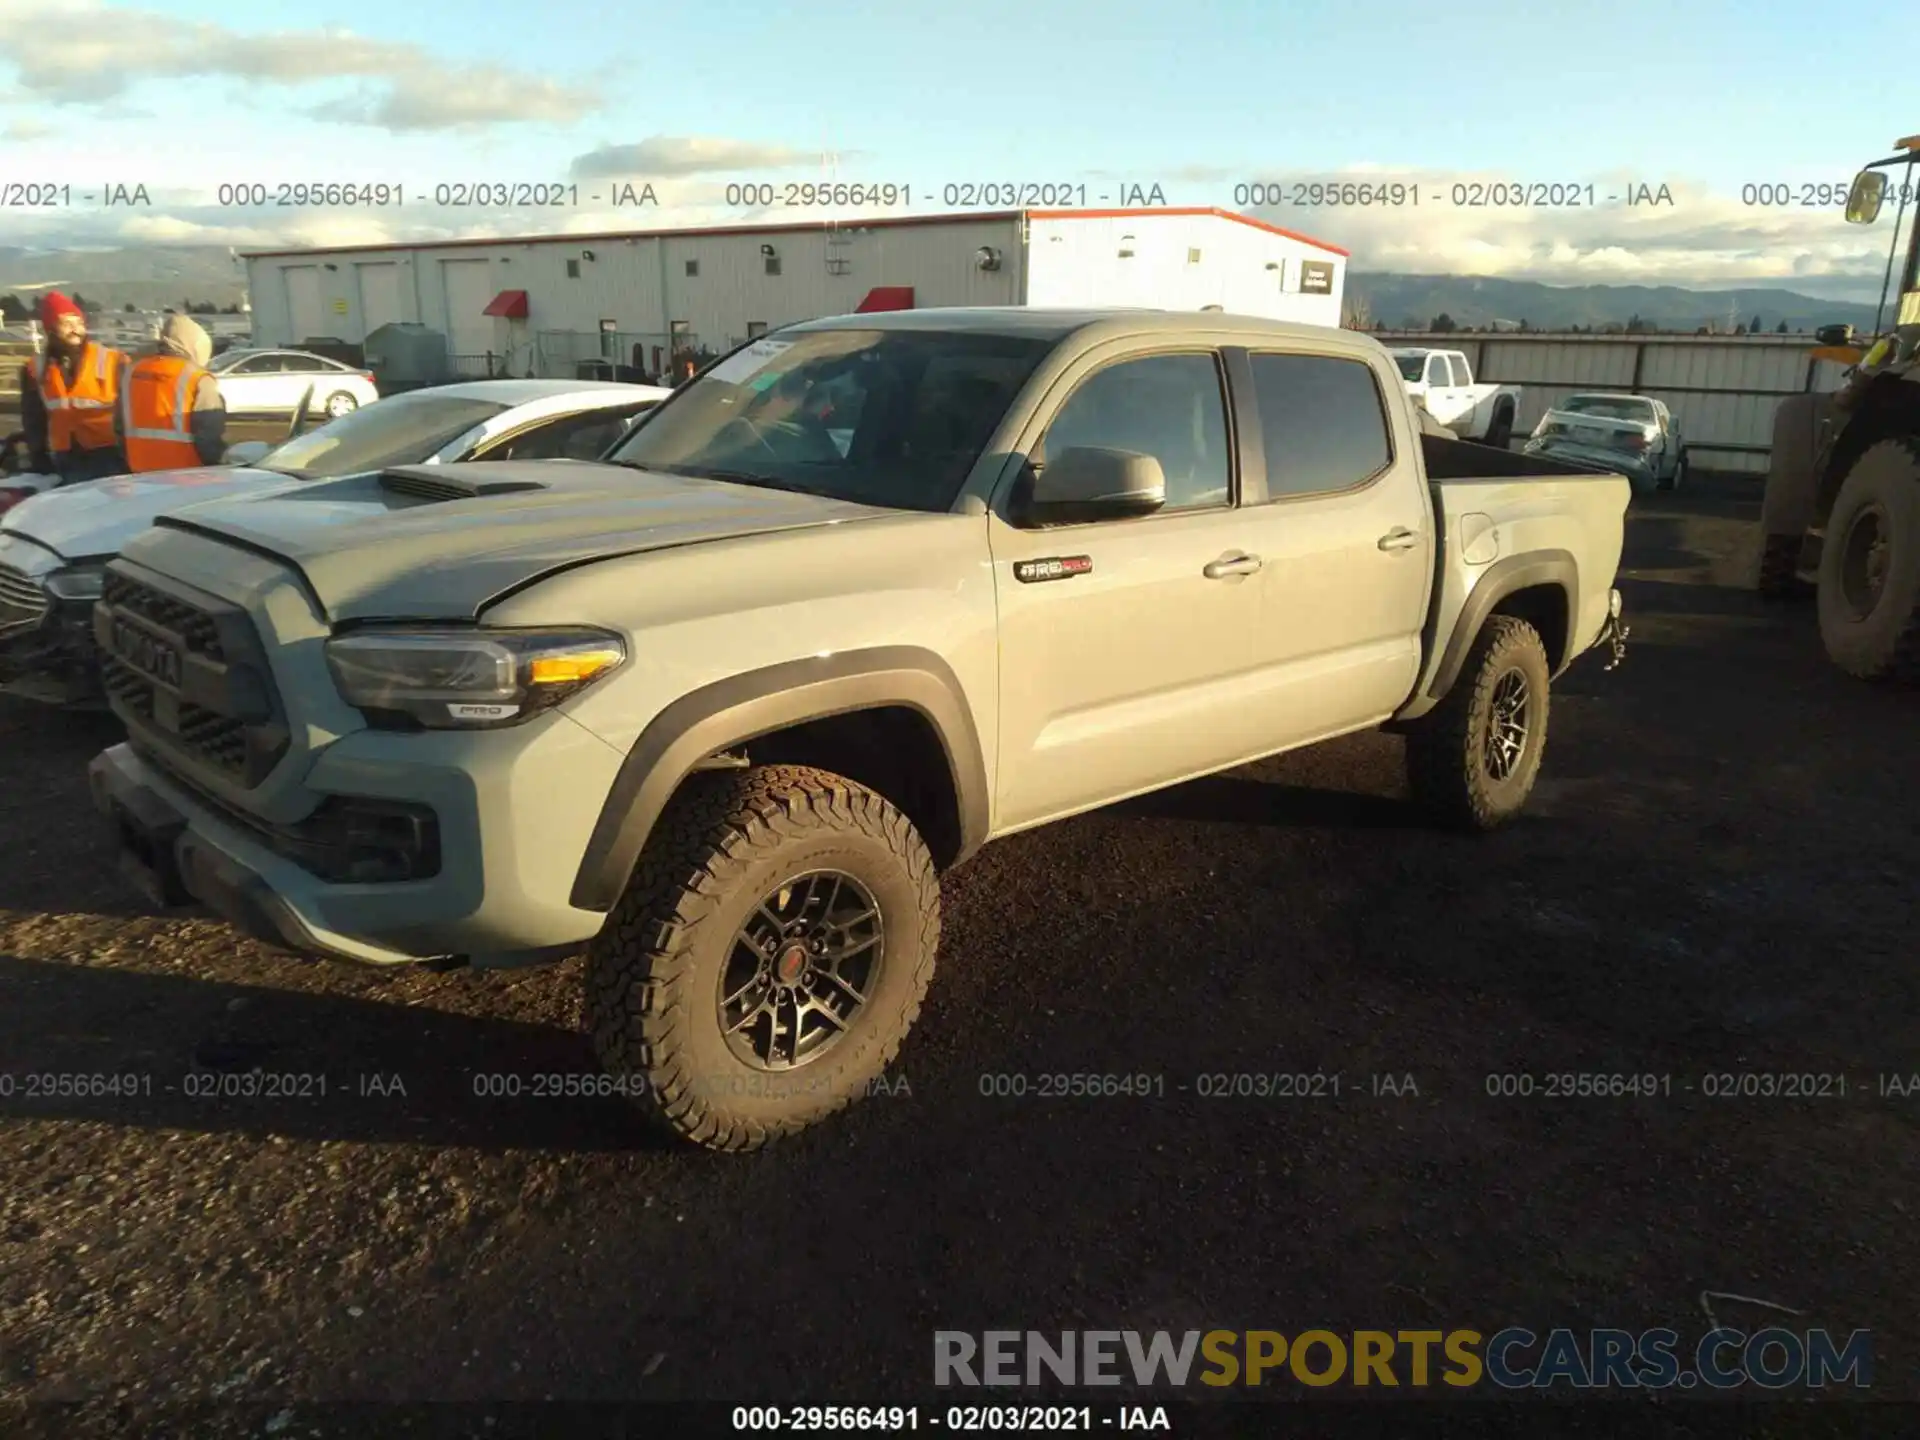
[(768, 957), (1472, 760), (1869, 594)]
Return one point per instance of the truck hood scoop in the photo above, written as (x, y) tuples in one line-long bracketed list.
[(435, 483)]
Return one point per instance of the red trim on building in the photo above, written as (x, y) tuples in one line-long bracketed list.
[(508, 305), (890, 222), (886, 297)]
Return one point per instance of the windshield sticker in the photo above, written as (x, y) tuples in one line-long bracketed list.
[(741, 366)]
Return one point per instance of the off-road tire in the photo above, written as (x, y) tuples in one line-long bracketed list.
[(1885, 643), (1780, 568), (1447, 769), (1500, 430), (653, 972)]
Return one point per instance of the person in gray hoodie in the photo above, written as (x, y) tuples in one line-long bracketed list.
[(171, 415)]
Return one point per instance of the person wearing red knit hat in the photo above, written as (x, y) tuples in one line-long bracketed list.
[(68, 397)]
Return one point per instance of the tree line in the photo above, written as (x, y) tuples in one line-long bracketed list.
[(15, 310), (1359, 315)]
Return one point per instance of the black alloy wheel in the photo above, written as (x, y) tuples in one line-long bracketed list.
[(1507, 726), (801, 970)]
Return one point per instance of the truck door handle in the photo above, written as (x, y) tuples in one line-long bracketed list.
[(1228, 565), (1399, 538)]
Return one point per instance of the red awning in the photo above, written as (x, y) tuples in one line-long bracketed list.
[(886, 297), (509, 304)]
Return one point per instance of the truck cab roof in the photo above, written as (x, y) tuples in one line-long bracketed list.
[(1059, 323)]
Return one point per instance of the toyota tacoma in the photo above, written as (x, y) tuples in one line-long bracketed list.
[(864, 596)]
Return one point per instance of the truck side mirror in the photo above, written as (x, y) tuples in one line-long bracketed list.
[(1091, 482), (1869, 192)]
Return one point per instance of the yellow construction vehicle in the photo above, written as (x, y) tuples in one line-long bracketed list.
[(1842, 507)]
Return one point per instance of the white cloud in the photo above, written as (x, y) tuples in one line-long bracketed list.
[(274, 229), (27, 128), (1703, 238), (665, 156), (483, 96), (82, 51)]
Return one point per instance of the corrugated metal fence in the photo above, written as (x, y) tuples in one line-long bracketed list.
[(1722, 389)]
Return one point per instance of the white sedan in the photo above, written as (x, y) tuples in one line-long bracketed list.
[(54, 546), (273, 382)]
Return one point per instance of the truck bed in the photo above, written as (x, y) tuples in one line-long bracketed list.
[(1557, 522), (1468, 460)]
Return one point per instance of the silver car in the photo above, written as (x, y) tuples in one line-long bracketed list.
[(1631, 434), (54, 546)]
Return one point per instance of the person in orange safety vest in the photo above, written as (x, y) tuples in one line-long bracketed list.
[(68, 395), (171, 415)]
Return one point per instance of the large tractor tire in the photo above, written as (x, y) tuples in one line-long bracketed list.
[(1869, 593)]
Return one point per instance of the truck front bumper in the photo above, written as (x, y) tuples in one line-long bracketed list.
[(488, 905)]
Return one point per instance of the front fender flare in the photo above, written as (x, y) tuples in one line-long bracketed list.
[(744, 707)]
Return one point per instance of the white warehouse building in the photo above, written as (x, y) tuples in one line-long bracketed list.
[(558, 304)]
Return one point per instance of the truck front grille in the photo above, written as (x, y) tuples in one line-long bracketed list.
[(194, 626), (22, 601), (188, 676)]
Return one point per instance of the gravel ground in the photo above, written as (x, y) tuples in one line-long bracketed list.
[(1716, 876)]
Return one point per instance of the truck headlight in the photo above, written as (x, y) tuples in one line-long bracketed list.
[(80, 583), (469, 678)]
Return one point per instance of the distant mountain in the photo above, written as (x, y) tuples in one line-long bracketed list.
[(1412, 302), (150, 276)]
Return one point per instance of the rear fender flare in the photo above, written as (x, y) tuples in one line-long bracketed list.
[(731, 712), (1502, 579)]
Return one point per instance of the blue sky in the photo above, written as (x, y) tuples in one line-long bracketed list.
[(1704, 97)]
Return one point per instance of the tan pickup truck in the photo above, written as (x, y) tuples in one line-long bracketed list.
[(871, 592)]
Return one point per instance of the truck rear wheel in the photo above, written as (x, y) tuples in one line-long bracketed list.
[(1869, 596), (1472, 761), (768, 957)]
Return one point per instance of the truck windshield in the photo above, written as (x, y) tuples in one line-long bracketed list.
[(1412, 367), (880, 417), (399, 430)]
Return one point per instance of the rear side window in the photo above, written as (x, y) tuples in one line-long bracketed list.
[(1323, 423)]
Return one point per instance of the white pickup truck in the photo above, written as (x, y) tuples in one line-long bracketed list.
[(1441, 382), (863, 597)]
